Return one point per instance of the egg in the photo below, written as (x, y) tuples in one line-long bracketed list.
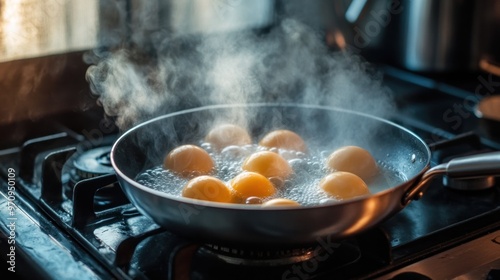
[(189, 160), (207, 188), (283, 139), (228, 135), (355, 160), (268, 164), (343, 185), (280, 202), (251, 184)]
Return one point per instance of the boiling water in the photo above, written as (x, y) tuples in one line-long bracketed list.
[(302, 186)]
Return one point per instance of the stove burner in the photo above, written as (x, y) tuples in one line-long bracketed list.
[(259, 257), (315, 261), (470, 184), (89, 164), (93, 163)]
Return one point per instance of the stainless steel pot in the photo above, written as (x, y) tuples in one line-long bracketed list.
[(145, 145), (424, 35)]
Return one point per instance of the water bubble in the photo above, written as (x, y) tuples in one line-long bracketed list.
[(261, 148), (274, 150), (253, 200), (329, 200), (288, 155), (277, 182), (207, 146), (297, 164), (249, 148), (325, 154), (300, 154), (224, 169), (234, 152)]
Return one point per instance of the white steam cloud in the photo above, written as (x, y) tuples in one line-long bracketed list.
[(289, 63)]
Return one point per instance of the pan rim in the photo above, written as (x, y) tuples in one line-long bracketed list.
[(244, 207)]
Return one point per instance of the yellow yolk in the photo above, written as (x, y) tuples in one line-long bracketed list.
[(189, 160), (283, 139), (344, 185), (355, 160), (207, 188), (280, 202), (248, 184), (268, 164), (228, 135)]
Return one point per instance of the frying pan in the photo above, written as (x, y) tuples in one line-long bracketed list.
[(145, 145)]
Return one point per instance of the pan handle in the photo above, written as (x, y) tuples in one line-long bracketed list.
[(482, 165)]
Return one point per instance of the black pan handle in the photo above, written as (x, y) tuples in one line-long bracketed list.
[(476, 166)]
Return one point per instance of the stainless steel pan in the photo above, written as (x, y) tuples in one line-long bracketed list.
[(145, 145)]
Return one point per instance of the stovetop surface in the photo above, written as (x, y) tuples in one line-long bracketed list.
[(429, 109), (440, 220)]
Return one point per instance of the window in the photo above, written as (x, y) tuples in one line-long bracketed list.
[(31, 28)]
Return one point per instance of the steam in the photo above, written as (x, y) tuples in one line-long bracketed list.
[(290, 63)]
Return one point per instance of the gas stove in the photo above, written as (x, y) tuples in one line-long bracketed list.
[(64, 215)]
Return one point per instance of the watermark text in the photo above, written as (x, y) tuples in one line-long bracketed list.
[(11, 212)]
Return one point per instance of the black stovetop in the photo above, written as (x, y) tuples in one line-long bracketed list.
[(84, 238)]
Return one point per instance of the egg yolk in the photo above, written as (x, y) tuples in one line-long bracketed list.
[(268, 164), (251, 184), (283, 139), (227, 135), (355, 160), (344, 185), (207, 188), (189, 160), (280, 202)]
